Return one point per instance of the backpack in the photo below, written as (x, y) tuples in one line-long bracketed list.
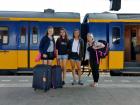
[(103, 52)]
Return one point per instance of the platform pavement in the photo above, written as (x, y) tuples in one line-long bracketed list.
[(17, 90)]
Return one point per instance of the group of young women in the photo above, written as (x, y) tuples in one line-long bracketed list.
[(72, 49)]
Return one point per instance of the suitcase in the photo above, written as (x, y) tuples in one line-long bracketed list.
[(56, 73), (42, 77)]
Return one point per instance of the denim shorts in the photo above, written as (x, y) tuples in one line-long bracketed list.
[(62, 57), (76, 60)]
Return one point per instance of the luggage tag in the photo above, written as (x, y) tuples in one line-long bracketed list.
[(44, 78)]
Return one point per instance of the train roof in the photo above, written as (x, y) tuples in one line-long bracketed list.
[(112, 16), (30, 14), (128, 16), (39, 15), (101, 16)]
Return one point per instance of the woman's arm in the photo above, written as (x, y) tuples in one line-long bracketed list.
[(57, 44), (57, 47), (99, 46), (69, 46), (41, 46), (82, 46)]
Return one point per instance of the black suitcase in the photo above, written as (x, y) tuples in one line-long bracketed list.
[(56, 73), (42, 77)]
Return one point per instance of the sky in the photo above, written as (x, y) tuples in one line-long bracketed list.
[(81, 6)]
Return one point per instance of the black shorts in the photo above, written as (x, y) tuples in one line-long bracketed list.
[(50, 56), (74, 56)]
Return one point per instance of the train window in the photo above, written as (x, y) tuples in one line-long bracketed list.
[(4, 37), (35, 35), (23, 35), (116, 35)]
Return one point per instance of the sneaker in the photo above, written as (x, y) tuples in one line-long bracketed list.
[(74, 82), (80, 83), (63, 82), (94, 85)]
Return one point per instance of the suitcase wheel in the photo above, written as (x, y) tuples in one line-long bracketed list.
[(61, 86)]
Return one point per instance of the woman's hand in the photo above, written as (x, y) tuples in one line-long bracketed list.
[(99, 46), (94, 47), (44, 55), (90, 44)]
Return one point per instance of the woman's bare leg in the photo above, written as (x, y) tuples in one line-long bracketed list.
[(49, 62), (73, 69), (78, 64), (64, 69)]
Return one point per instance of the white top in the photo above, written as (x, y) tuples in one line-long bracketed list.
[(51, 47), (87, 52), (75, 46)]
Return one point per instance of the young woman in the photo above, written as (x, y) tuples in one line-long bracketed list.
[(76, 47), (62, 51), (93, 46), (47, 47)]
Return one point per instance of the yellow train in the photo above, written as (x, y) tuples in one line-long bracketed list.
[(21, 32)]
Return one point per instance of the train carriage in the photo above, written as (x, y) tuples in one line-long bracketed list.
[(122, 32), (21, 32)]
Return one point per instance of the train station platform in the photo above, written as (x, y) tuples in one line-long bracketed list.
[(17, 90)]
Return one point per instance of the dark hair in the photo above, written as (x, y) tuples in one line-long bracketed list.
[(66, 34), (74, 31), (50, 27)]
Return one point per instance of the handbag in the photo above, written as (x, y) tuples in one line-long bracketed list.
[(38, 57)]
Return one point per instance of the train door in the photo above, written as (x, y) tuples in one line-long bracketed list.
[(8, 46), (35, 36), (132, 43), (116, 43), (23, 45), (28, 44)]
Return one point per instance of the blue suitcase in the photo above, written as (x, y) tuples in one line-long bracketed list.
[(42, 77), (56, 73)]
